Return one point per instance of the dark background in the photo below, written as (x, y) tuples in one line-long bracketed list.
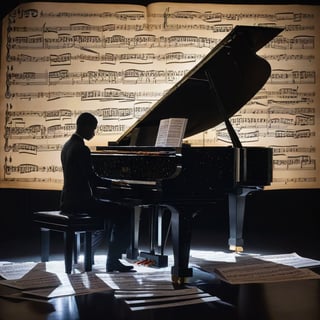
[(278, 220)]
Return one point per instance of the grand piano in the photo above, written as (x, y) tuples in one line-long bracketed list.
[(187, 179)]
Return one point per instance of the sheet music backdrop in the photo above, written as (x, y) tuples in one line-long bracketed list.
[(114, 60)]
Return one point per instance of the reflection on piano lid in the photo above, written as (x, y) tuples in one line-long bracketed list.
[(214, 90)]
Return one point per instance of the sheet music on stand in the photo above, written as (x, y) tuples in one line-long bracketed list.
[(171, 132)]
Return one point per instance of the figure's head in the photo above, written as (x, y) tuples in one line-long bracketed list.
[(86, 125)]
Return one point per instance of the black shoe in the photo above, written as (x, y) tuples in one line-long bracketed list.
[(118, 266)]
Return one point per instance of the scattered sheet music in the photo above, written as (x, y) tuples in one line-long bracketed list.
[(249, 269)]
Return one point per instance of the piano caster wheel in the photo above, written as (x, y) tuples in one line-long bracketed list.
[(236, 249), (178, 280)]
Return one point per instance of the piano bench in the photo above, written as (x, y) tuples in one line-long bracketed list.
[(72, 226)]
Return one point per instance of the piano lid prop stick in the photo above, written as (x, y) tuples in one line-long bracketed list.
[(233, 135)]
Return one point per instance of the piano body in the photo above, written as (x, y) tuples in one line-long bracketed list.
[(187, 179)]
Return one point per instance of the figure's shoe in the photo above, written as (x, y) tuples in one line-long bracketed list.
[(118, 266)]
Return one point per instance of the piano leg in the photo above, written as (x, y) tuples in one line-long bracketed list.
[(155, 256), (159, 230), (156, 222), (237, 201), (162, 232), (133, 250), (181, 240)]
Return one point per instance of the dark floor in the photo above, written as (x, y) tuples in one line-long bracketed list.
[(295, 300), (275, 222)]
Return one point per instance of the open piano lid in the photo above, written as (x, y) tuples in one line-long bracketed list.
[(236, 73)]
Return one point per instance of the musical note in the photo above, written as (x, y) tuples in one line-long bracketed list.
[(117, 61)]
